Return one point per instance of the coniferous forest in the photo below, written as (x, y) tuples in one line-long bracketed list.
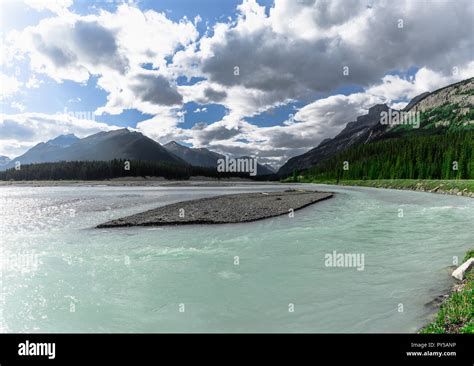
[(99, 170), (446, 156)]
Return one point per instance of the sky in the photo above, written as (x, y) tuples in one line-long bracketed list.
[(269, 79)]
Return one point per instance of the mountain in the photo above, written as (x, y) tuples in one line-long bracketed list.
[(448, 109), (194, 156), (119, 144), (45, 151), (460, 94), (416, 100), (269, 168), (4, 160), (63, 140), (265, 169), (261, 169), (207, 158), (102, 146), (354, 133)]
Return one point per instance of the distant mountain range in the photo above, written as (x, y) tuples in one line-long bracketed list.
[(207, 158), (194, 156), (118, 144), (445, 110), (102, 146)]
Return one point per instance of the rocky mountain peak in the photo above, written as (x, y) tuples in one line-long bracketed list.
[(172, 143), (64, 140), (377, 109)]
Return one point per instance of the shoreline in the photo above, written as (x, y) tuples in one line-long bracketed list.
[(464, 188), (139, 182), (447, 187), (224, 209), (453, 312)]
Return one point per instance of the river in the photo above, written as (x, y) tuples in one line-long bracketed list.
[(60, 274)]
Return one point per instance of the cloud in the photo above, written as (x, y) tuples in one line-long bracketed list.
[(18, 106), (214, 95), (69, 48), (11, 129), (75, 47), (9, 86), (394, 87), (307, 54), (155, 89), (163, 127), (56, 6), (204, 134), (33, 82), (97, 45)]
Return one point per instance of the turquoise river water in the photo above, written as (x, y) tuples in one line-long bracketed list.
[(60, 274)]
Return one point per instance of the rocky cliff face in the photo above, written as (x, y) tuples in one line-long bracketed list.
[(459, 93)]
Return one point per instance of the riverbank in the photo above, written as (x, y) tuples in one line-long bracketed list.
[(137, 182), (226, 209), (461, 187), (456, 313)]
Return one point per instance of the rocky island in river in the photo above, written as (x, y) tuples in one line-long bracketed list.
[(226, 209)]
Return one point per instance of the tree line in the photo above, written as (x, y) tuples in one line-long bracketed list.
[(102, 170), (446, 156)]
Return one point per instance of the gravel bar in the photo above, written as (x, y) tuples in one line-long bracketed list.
[(226, 209)]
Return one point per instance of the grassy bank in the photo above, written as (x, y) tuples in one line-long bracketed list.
[(456, 313), (464, 187)]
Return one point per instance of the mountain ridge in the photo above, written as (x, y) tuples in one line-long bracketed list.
[(352, 133), (119, 144), (200, 156), (445, 109), (194, 156), (102, 146)]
